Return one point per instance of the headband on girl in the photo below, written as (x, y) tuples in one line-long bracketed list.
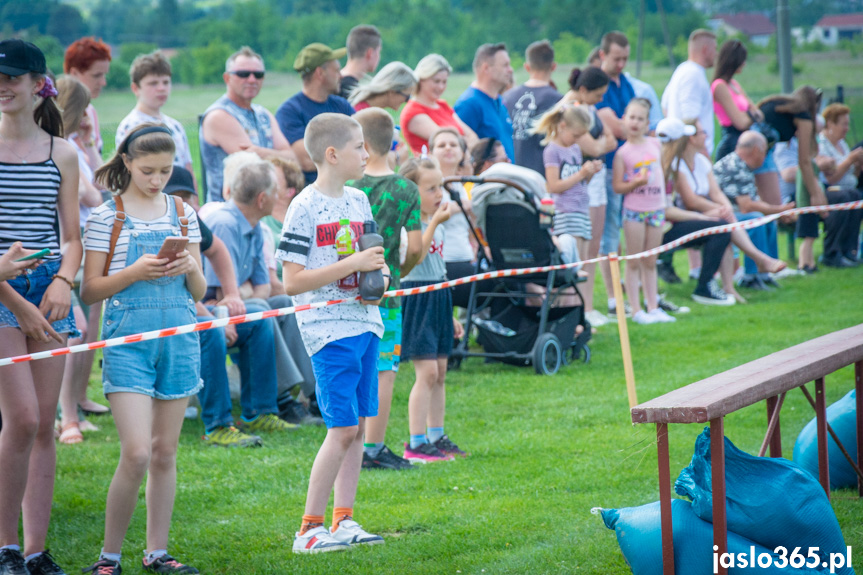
[(124, 147), (48, 90)]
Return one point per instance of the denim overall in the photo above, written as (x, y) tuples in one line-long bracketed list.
[(164, 368)]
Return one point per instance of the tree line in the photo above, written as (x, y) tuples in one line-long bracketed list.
[(205, 33)]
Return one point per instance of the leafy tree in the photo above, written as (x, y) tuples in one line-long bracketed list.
[(66, 24)]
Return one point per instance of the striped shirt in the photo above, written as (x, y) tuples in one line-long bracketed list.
[(28, 206), (97, 235)]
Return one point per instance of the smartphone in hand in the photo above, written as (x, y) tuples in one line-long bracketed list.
[(171, 247), (35, 255)]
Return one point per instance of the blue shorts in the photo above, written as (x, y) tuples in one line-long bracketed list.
[(32, 285), (390, 349), (347, 380), (164, 368)]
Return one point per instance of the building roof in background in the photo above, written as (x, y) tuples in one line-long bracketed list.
[(841, 21), (749, 23)]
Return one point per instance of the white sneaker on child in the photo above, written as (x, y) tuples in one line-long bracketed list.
[(352, 533), (318, 540), (659, 316), (643, 317)]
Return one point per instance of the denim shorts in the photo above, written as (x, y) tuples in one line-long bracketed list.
[(653, 218), (165, 368), (390, 349), (347, 380), (32, 286), (769, 164)]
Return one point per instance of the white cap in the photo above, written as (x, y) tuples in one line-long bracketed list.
[(670, 129)]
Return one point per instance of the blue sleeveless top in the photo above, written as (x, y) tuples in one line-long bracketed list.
[(257, 125)]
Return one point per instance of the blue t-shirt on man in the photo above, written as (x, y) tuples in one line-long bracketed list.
[(617, 97), (296, 112), (244, 242), (487, 117)]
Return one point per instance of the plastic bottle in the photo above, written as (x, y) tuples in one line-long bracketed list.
[(372, 284), (546, 213), (345, 248)]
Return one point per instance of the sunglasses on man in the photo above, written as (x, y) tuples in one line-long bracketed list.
[(258, 74)]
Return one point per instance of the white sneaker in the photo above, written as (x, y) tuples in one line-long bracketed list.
[(660, 316), (596, 318), (786, 273), (352, 533), (318, 540), (643, 317)]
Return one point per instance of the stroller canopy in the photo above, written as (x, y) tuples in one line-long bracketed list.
[(528, 190)]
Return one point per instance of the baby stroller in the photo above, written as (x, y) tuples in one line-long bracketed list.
[(527, 319)]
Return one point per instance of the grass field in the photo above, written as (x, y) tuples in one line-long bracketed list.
[(545, 450)]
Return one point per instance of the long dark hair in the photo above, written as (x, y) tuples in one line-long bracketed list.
[(731, 56), (591, 78), (114, 175), (803, 99), (47, 114)]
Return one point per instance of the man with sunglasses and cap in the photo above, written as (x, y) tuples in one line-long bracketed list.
[(318, 65), (233, 123)]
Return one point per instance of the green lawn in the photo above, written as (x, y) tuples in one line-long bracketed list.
[(545, 450)]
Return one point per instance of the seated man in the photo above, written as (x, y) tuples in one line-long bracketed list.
[(735, 176), (258, 376), (251, 189)]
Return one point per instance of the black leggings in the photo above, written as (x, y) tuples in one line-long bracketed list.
[(713, 246)]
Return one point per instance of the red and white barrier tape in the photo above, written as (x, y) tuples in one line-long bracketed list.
[(249, 317)]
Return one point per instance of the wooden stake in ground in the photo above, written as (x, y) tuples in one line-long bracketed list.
[(623, 329)]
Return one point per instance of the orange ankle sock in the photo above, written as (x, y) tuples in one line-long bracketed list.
[(310, 522), (340, 514)]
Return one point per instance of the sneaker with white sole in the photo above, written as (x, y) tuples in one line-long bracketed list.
[(660, 316), (713, 295), (318, 540), (612, 309), (643, 317), (352, 533), (786, 273), (596, 318), (670, 307)]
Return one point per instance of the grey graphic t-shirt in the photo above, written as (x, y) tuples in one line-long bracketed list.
[(309, 239), (525, 105)]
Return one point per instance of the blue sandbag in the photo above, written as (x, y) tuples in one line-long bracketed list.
[(771, 501), (842, 417), (639, 534)]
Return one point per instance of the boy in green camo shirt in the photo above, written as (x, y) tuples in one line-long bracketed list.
[(395, 205)]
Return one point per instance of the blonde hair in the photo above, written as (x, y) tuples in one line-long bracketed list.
[(574, 117), (411, 169), (73, 97), (377, 128), (394, 77), (672, 153), (428, 67), (328, 130)]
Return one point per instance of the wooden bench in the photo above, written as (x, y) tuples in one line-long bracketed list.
[(766, 379)]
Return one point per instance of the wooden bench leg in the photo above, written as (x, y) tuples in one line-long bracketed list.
[(858, 385), (665, 498), (717, 464), (821, 423), (774, 436)]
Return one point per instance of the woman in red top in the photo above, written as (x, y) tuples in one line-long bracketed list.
[(426, 111)]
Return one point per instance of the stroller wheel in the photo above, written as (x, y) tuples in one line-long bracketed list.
[(547, 354)]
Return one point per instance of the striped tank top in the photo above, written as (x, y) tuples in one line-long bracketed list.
[(28, 205)]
